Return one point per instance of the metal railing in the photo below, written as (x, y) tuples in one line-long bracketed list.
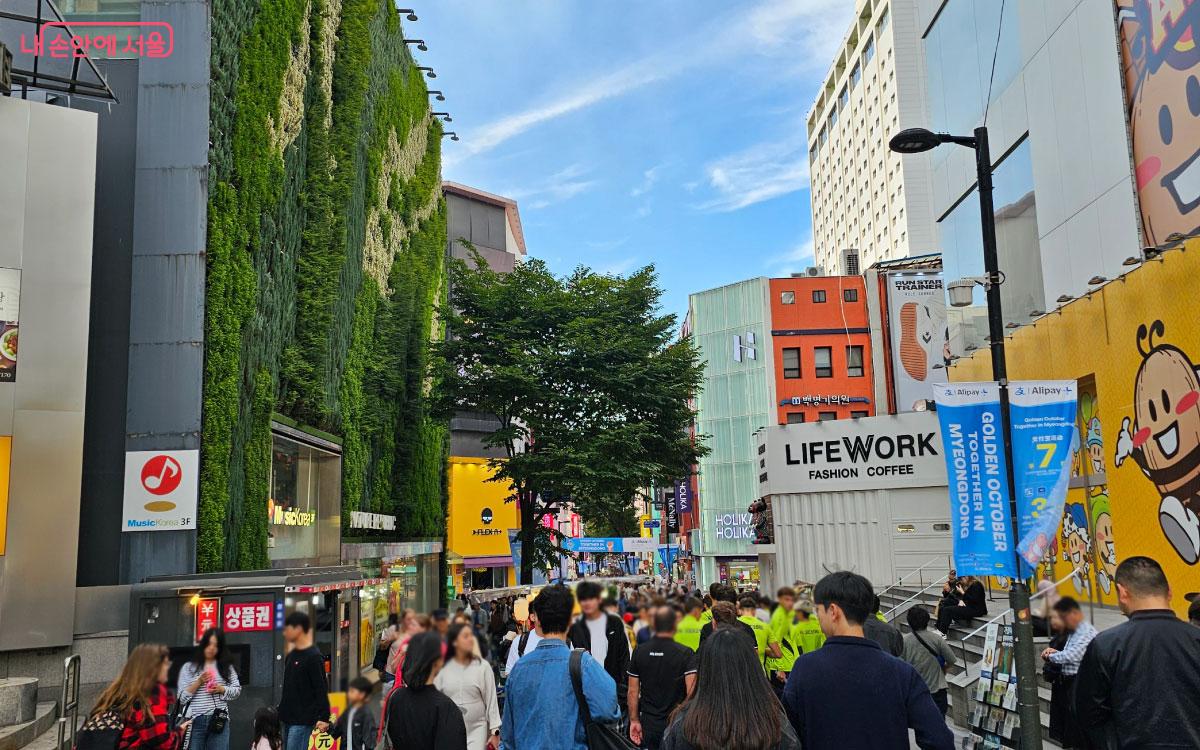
[(962, 642), (69, 703), (889, 614), (919, 572)]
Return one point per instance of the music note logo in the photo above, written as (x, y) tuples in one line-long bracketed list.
[(161, 475)]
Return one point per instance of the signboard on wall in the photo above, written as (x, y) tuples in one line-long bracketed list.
[(919, 335), (901, 450), (10, 303), (208, 615), (736, 526), (160, 490), (244, 617), (683, 496)]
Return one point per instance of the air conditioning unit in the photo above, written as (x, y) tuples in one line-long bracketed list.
[(6, 59), (813, 271)]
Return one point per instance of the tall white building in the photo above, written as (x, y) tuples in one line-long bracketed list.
[(869, 204)]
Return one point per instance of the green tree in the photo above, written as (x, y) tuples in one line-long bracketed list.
[(587, 380)]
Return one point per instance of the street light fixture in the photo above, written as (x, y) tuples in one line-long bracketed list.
[(419, 42), (436, 94), (919, 140), (1132, 260), (452, 134), (428, 70), (444, 115), (1064, 298), (412, 16), (1095, 280)]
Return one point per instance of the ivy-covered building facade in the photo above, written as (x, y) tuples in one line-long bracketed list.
[(270, 242)]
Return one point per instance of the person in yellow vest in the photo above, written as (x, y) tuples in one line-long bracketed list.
[(806, 632), (707, 602), (688, 630), (746, 607), (781, 649)]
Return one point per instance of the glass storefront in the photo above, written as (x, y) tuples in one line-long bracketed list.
[(305, 505)]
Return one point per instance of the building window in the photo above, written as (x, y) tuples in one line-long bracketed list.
[(844, 97), (883, 21), (854, 361), (787, 298), (869, 50), (855, 75), (818, 295), (851, 295), (795, 417), (858, 414), (823, 360), (827, 416), (791, 363)]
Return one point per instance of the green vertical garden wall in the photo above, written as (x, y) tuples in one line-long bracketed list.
[(326, 239)]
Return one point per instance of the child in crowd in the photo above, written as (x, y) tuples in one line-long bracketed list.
[(268, 733), (356, 726)]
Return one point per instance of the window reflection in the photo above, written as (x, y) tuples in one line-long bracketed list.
[(305, 506), (1019, 251)]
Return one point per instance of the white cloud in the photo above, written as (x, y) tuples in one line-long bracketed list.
[(756, 174), (649, 178), (806, 31), (794, 260), (558, 187), (643, 211), (618, 268)]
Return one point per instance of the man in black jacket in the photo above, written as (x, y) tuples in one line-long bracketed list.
[(603, 635), (884, 633), (1139, 683)]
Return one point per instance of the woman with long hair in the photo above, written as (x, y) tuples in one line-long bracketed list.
[(733, 706), (139, 698), (468, 681), (410, 624), (268, 732), (418, 715), (206, 684)]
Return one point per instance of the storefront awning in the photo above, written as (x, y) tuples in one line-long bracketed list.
[(496, 561)]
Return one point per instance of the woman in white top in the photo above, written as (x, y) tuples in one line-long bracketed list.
[(468, 681), (207, 683)]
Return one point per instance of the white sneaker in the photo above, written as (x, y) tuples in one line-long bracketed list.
[(1181, 527)]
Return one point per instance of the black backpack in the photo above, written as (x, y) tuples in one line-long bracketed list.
[(101, 731), (599, 736)]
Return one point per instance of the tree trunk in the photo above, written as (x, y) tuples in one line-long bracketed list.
[(528, 531)]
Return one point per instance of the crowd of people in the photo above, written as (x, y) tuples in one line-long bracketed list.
[(656, 667)]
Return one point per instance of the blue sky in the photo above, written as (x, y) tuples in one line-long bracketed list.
[(634, 132)]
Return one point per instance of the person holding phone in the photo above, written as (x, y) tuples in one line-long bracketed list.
[(206, 685)]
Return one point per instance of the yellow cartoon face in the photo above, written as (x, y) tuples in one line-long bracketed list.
[(1105, 549), (1167, 418)]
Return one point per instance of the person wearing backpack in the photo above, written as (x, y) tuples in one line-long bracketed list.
[(929, 654), (525, 643), (133, 713)]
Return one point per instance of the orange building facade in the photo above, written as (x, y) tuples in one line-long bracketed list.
[(821, 339)]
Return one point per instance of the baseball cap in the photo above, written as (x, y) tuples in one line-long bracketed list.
[(803, 605), (1193, 612), (1192, 597)]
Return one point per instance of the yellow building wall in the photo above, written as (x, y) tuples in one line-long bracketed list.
[(467, 534), (1131, 344)]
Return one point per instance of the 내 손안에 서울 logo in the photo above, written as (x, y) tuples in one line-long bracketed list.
[(151, 39)]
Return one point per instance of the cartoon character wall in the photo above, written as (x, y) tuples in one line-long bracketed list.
[(1161, 61), (1133, 346)]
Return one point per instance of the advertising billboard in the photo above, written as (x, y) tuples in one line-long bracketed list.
[(920, 337), (160, 490)]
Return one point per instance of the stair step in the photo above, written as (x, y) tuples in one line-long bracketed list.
[(21, 735)]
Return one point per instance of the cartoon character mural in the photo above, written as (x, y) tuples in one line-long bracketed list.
[(1163, 438), (1077, 545), (1161, 61), (1102, 542)]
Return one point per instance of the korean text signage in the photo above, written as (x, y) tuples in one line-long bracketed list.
[(160, 490), (373, 521), (918, 333), (10, 303), (976, 469), (610, 544), (207, 615), (247, 616), (818, 400), (683, 496), (883, 452), (1044, 440)]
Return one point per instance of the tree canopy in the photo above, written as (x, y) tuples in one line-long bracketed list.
[(587, 379)]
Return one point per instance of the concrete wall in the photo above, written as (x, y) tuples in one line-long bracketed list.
[(46, 203)]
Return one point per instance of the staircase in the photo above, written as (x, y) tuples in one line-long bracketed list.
[(968, 651), (22, 718)]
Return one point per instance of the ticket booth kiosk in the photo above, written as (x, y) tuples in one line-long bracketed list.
[(251, 606)]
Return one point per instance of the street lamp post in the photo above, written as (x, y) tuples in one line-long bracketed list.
[(916, 140)]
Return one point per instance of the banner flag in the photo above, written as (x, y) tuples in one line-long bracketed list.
[(969, 415), (1044, 439)]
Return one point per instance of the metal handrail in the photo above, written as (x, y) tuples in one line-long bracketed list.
[(69, 703), (888, 615), (939, 558), (962, 642)]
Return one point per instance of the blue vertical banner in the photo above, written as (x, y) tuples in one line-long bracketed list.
[(514, 545), (1044, 439), (969, 415)]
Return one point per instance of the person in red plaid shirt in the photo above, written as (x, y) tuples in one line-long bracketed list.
[(139, 695)]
